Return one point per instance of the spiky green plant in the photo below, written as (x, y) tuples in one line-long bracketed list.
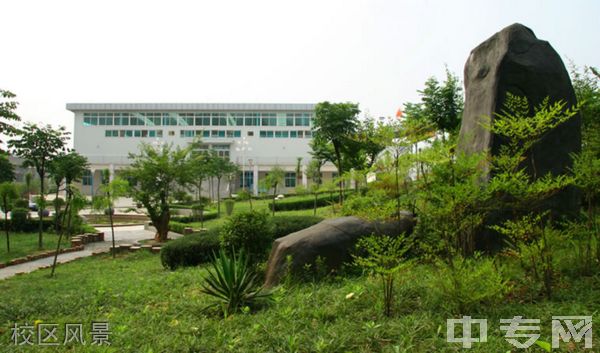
[(232, 282)]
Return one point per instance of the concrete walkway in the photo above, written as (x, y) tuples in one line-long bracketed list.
[(123, 235)]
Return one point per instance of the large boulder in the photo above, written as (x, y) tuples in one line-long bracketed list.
[(515, 61), (332, 240)]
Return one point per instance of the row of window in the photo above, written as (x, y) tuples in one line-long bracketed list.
[(133, 133), (247, 179), (197, 119), (210, 133), (286, 134)]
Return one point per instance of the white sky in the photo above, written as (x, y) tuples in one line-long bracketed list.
[(376, 53)]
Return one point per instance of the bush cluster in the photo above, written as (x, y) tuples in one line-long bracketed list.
[(303, 203), (284, 225), (20, 223), (249, 231), (190, 250)]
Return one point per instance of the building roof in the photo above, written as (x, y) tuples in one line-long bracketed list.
[(75, 107)]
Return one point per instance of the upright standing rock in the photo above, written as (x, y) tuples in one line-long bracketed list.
[(515, 61)]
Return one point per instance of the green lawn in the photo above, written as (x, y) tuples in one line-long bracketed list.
[(23, 244), (150, 309)]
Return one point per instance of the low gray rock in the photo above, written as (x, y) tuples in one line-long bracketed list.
[(332, 240)]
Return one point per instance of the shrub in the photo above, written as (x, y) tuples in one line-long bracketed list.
[(303, 202), (467, 284), (229, 203), (191, 219), (251, 231), (232, 282), (284, 225), (384, 256), (18, 217), (190, 250), (30, 225), (21, 203)]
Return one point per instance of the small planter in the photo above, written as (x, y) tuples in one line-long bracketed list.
[(109, 211), (46, 213)]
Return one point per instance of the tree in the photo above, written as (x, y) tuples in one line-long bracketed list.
[(28, 182), (72, 166), (7, 113), (57, 173), (38, 145), (443, 103), (219, 168), (198, 167), (8, 193), (110, 191), (587, 89), (7, 170), (272, 180), (335, 123), (313, 171), (152, 175)]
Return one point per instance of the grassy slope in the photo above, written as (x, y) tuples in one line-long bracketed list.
[(153, 310), (22, 244)]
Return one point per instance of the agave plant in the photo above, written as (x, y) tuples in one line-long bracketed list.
[(232, 283)]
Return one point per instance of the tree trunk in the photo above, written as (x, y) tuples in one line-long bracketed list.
[(6, 229), (41, 210), (161, 223), (338, 156), (274, 195), (112, 226), (315, 205), (61, 234), (218, 197)]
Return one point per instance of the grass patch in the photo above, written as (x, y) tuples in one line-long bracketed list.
[(23, 244), (154, 310)]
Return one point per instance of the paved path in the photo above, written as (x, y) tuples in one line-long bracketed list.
[(123, 235)]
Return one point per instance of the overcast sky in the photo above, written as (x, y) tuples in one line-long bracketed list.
[(376, 53)]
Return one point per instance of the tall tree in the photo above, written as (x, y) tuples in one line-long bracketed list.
[(38, 145), (198, 167), (110, 191), (587, 89), (7, 113), (219, 168), (72, 166), (335, 123), (152, 175), (441, 104), (8, 193), (7, 170), (274, 179)]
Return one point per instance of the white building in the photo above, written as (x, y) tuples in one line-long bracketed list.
[(254, 136)]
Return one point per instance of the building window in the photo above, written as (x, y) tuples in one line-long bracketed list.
[(290, 180), (171, 133), (281, 134), (247, 179), (307, 134), (293, 134), (269, 121), (87, 178), (250, 133)]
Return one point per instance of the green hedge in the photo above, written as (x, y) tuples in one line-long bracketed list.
[(28, 225), (190, 250), (285, 225), (190, 219), (304, 202), (197, 248)]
